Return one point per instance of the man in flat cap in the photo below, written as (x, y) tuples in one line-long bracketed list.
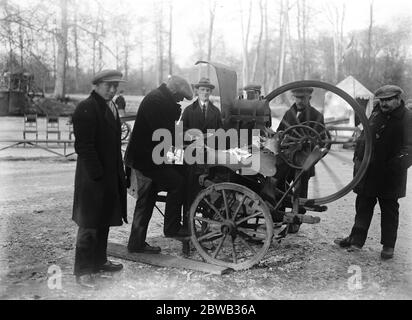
[(300, 112), (385, 178), (252, 91), (100, 184), (158, 110)]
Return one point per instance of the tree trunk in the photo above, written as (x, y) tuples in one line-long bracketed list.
[(265, 52), (76, 51), (304, 53), (282, 56), (141, 59), (212, 8), (170, 37), (21, 45), (259, 43), (295, 55), (59, 88), (100, 45), (159, 40), (245, 36), (370, 31), (126, 61)]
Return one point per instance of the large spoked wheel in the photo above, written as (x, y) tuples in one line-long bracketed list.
[(297, 142), (334, 173), (231, 226), (125, 130)]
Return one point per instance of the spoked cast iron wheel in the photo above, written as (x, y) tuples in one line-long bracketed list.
[(125, 131), (231, 226), (334, 172), (298, 141)]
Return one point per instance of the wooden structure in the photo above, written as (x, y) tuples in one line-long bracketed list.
[(163, 260)]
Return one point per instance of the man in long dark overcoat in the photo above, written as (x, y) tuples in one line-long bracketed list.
[(385, 178), (300, 112), (158, 110), (100, 185)]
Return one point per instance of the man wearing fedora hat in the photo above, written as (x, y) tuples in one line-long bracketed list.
[(202, 114), (385, 178), (158, 110), (301, 111), (100, 184)]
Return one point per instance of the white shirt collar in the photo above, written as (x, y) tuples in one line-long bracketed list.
[(201, 103)]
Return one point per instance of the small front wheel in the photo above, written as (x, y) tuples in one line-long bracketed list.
[(231, 226)]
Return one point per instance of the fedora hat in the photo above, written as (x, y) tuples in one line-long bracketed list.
[(204, 82)]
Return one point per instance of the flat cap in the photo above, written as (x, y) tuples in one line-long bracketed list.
[(303, 91), (108, 76), (204, 82), (252, 87), (388, 91), (177, 84)]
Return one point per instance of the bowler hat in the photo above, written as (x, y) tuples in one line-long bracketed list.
[(388, 91), (204, 82), (303, 91), (108, 76)]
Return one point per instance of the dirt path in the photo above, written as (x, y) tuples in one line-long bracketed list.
[(37, 233)]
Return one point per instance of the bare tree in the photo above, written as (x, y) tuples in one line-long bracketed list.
[(76, 47), (265, 51), (259, 43), (336, 17), (245, 42), (61, 37), (302, 24), (370, 33), (158, 9), (170, 37), (283, 34), (212, 10)]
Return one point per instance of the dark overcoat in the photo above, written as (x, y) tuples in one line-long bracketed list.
[(290, 118), (309, 114), (193, 117), (391, 154), (157, 110), (99, 186)]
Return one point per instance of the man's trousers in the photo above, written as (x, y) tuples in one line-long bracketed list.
[(389, 220), (91, 250)]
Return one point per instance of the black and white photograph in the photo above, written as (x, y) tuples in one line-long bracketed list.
[(206, 155)]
